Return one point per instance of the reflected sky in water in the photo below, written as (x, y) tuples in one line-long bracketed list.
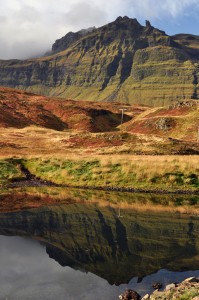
[(27, 272), (43, 250)]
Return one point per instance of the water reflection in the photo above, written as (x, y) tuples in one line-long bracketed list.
[(30, 197), (92, 238), (28, 273), (112, 248)]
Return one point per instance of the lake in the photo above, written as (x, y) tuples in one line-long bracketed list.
[(74, 244)]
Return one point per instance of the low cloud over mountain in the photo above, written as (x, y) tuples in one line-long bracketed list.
[(29, 28)]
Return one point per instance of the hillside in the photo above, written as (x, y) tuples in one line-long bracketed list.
[(176, 122), (21, 109), (32, 124), (122, 61)]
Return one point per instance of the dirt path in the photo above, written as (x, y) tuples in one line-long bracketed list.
[(29, 180)]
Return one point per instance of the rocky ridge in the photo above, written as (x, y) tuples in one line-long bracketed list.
[(64, 42), (121, 61)]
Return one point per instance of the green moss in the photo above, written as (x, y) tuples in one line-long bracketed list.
[(9, 169), (189, 295)]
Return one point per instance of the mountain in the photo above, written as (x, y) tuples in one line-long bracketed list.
[(69, 39), (121, 61)]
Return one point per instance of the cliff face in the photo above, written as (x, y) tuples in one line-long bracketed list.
[(69, 39), (121, 61)]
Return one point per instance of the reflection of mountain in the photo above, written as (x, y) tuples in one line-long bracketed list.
[(94, 239)]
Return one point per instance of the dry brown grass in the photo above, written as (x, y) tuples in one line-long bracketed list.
[(149, 207), (45, 144), (150, 165), (27, 198)]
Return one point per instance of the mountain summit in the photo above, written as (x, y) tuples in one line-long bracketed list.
[(121, 61)]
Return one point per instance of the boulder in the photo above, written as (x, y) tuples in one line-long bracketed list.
[(130, 295)]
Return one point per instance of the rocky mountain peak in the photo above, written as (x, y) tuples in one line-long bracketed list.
[(148, 24), (125, 23), (69, 38), (120, 61), (127, 20)]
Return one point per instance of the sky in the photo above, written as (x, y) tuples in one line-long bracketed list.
[(29, 27)]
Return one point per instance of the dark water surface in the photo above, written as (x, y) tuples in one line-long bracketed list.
[(89, 251)]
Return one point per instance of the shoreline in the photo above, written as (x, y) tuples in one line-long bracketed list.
[(37, 182), (104, 175), (187, 289)]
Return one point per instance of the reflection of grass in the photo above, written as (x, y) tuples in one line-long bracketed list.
[(40, 196)]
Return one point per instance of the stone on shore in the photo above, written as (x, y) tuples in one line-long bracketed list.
[(130, 295), (187, 289)]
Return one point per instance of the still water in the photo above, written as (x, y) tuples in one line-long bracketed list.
[(86, 250)]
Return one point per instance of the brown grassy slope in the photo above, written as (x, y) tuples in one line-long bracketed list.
[(180, 122), (38, 125), (20, 109)]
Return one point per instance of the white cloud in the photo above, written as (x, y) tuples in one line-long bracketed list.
[(28, 28), (84, 15)]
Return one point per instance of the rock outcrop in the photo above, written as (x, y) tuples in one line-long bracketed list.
[(69, 39), (187, 289), (121, 61)]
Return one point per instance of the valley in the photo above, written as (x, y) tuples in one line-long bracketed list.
[(86, 144)]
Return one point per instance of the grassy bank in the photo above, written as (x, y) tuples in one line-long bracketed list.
[(145, 172), (9, 169)]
